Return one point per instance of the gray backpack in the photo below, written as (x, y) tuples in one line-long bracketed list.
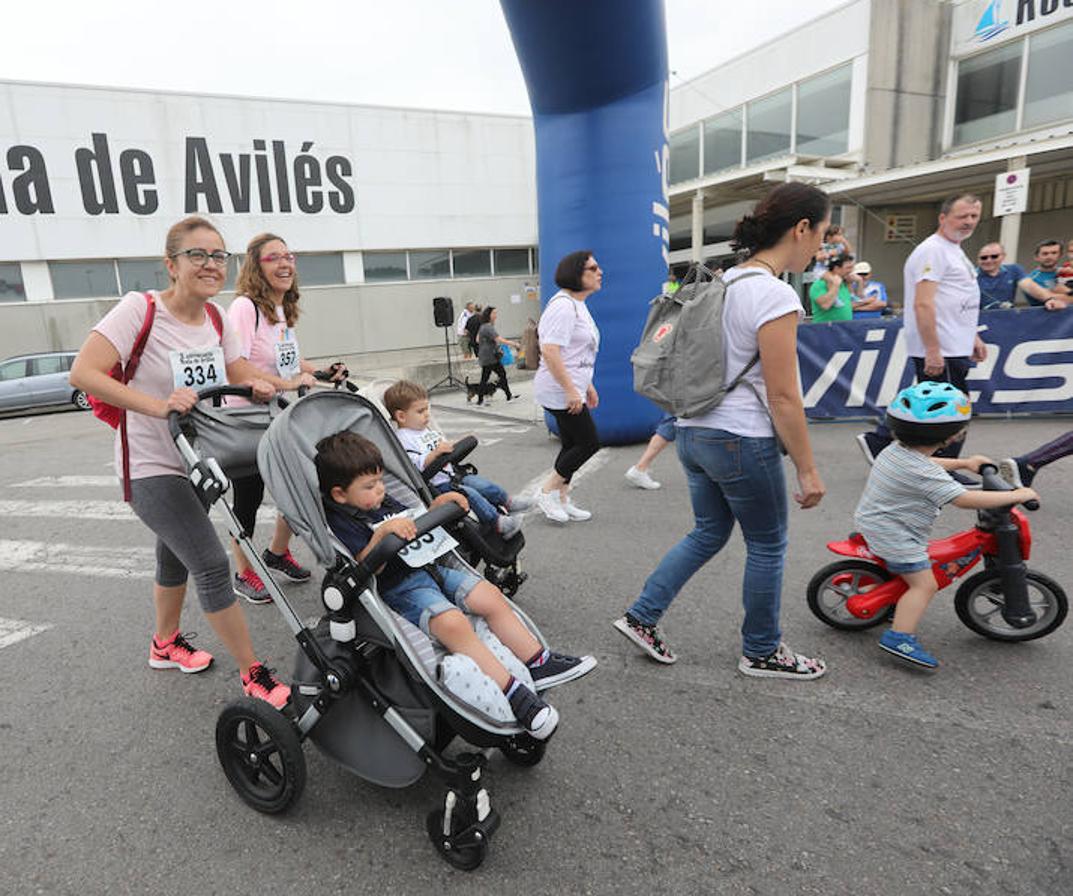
[(680, 363)]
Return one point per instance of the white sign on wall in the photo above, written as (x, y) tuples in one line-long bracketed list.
[(1011, 192), (981, 23)]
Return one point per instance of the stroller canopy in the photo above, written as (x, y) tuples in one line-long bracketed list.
[(286, 453)]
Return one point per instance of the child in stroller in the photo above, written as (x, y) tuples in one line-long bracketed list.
[(408, 404), (360, 513)]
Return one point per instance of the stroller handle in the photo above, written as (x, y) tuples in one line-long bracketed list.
[(213, 392), (995, 483), (462, 448), (390, 545)]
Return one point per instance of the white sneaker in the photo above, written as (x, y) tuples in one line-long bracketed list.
[(575, 512), (552, 505), (641, 479)]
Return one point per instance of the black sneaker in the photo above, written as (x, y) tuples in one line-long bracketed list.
[(286, 564), (534, 715), (560, 668)]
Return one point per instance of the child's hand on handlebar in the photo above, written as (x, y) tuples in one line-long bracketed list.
[(457, 497), (975, 462), (402, 526), (181, 400), (1021, 495), (443, 447)]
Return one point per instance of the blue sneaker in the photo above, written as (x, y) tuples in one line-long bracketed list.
[(907, 647)]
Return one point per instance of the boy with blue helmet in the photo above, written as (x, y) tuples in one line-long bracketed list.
[(906, 489)]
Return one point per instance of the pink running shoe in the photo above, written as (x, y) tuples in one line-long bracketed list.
[(263, 684), (178, 653)]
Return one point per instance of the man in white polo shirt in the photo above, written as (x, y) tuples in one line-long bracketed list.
[(942, 309)]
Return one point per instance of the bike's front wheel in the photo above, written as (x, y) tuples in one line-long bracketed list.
[(836, 583), (979, 603)]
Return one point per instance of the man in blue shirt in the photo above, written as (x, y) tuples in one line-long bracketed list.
[(1045, 274), (999, 282), (872, 299)]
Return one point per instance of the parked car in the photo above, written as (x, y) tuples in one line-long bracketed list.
[(37, 381)]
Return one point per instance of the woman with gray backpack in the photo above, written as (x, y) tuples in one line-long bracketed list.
[(731, 452)]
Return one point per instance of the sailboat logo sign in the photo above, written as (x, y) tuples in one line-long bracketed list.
[(991, 22)]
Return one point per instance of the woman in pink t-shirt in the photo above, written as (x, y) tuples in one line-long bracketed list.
[(263, 315), (160, 493)]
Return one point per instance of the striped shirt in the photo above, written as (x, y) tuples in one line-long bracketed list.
[(903, 496)]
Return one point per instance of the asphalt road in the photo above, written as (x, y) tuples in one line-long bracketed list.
[(682, 779)]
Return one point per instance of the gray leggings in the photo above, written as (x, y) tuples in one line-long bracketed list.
[(186, 539)]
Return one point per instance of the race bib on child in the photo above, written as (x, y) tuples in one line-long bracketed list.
[(424, 550), (288, 363), (198, 368)]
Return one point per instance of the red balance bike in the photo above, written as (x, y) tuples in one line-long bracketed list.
[(1004, 601)]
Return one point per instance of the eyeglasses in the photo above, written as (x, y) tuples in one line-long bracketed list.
[(591, 267), (278, 256), (988, 257), (199, 257)]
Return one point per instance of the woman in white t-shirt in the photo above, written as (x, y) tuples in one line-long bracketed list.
[(184, 320), (731, 454), (569, 341), (264, 314)]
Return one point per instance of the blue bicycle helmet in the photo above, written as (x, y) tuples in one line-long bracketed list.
[(928, 413)]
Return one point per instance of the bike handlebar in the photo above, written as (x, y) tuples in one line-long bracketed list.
[(995, 483)]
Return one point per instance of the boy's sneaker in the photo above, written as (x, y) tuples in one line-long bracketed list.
[(250, 586), (261, 683), (907, 647), (520, 504), (286, 564), (178, 653), (870, 445), (648, 637), (552, 506), (641, 479), (1016, 472), (783, 663), (559, 668), (574, 512), (508, 527), (534, 715)]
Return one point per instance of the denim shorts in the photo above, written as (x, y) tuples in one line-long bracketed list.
[(902, 567), (418, 597), (665, 428)]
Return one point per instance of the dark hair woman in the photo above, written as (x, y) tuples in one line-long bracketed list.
[(490, 355), (160, 493), (731, 454), (569, 340)]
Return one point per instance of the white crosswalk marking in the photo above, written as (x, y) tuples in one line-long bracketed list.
[(76, 559), (91, 510), (69, 482), (14, 630)]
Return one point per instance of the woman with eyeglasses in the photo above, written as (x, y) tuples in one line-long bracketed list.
[(569, 340), (184, 321), (264, 314)]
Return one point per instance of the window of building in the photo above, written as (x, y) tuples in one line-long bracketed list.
[(141, 274), (768, 129), (320, 269), (685, 155), (823, 113), (986, 103), (11, 288), (722, 141), (472, 262), (509, 261), (83, 279), (1049, 94), (431, 265), (383, 267)]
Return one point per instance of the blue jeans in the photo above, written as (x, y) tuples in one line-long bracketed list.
[(484, 496), (730, 478), (419, 597)]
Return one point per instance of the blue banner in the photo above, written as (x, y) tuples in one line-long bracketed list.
[(853, 369)]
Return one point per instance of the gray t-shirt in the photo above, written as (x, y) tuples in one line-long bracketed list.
[(903, 496), (487, 349)]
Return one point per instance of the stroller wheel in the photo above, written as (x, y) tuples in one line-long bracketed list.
[(524, 750), (466, 846), (261, 754)]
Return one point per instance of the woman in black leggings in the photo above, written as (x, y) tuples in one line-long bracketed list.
[(569, 341)]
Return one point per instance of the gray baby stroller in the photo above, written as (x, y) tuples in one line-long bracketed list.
[(369, 689)]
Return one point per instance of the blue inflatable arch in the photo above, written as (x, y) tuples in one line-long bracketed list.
[(596, 72)]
